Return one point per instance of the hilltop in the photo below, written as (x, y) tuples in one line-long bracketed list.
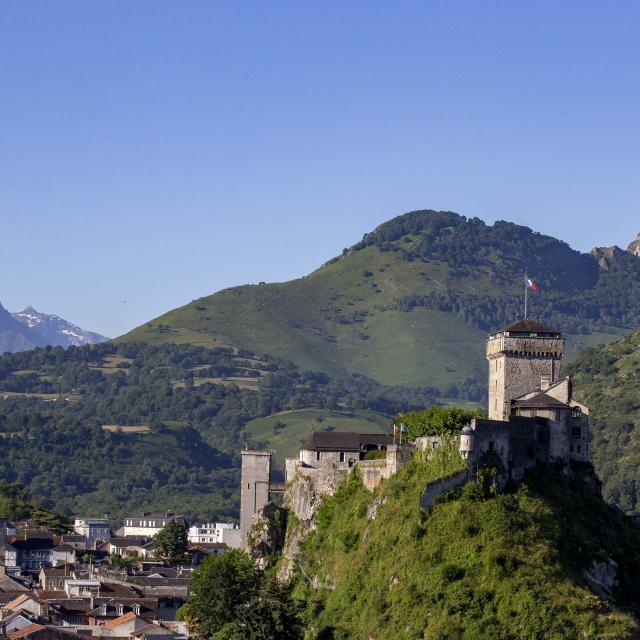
[(607, 379), (476, 566), (412, 302)]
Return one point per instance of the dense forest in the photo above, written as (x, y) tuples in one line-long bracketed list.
[(108, 428), (607, 379), (579, 295)]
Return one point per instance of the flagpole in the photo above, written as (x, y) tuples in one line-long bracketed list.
[(526, 295)]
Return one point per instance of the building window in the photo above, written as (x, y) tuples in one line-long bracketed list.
[(342, 456), (435, 444), (317, 455), (120, 609), (576, 412), (575, 433)]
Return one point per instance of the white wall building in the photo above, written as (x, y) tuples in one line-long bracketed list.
[(148, 524), (215, 532), (93, 529)]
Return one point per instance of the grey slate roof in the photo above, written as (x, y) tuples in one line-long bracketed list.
[(345, 441), (530, 326), (541, 401)]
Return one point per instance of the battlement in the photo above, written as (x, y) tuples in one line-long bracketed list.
[(538, 346)]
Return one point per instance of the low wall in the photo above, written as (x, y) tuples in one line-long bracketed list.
[(438, 487)]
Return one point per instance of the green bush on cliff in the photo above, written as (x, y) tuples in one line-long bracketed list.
[(500, 567), (437, 421)]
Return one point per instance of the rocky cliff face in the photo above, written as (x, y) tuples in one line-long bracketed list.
[(634, 247)]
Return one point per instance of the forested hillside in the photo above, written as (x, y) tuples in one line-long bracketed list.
[(477, 566), (413, 301), (114, 428), (607, 379)]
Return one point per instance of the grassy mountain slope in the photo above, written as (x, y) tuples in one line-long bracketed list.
[(413, 301), (477, 567), (607, 379)]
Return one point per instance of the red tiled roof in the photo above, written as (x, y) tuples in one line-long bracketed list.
[(32, 628), (127, 617)]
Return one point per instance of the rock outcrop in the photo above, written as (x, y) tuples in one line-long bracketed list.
[(606, 256), (602, 577), (634, 247), (267, 534)]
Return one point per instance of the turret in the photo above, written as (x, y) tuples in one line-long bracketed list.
[(466, 442)]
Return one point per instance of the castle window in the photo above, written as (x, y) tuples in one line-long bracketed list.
[(317, 455), (575, 433), (342, 456), (492, 445)]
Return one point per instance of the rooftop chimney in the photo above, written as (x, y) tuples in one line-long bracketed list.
[(545, 382)]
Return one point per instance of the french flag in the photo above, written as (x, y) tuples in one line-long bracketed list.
[(530, 284)]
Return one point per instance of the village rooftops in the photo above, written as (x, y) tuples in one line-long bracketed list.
[(346, 441)]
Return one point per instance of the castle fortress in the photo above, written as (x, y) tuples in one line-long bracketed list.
[(533, 419)]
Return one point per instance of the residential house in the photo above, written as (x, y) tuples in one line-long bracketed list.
[(148, 524), (122, 546), (215, 532), (95, 530)]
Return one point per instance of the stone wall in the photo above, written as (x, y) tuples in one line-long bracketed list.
[(438, 487)]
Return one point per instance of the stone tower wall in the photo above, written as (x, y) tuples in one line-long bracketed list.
[(516, 367), (254, 487)]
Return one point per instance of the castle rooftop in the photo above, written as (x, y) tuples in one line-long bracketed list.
[(530, 326), (345, 441)]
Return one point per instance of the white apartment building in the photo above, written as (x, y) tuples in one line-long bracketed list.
[(215, 532), (148, 524), (95, 530)]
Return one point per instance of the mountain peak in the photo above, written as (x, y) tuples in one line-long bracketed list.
[(49, 329)]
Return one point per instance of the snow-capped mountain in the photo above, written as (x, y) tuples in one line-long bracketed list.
[(28, 328), (55, 330)]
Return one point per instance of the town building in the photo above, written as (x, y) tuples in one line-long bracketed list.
[(95, 530), (148, 524), (215, 532)]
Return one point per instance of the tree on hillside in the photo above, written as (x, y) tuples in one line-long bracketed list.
[(54, 522), (222, 584), (437, 421), (171, 543)]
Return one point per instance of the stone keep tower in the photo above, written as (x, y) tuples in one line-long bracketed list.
[(255, 479), (523, 357)]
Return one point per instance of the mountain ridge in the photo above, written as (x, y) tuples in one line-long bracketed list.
[(411, 302)]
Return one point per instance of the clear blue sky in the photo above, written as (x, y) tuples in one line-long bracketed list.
[(156, 151)]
